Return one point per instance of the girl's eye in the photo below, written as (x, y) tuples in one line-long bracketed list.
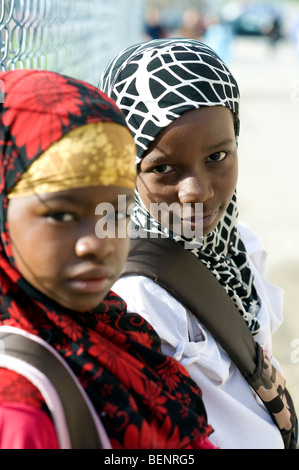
[(162, 169), (217, 156), (61, 216)]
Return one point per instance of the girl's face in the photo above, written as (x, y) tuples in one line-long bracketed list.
[(64, 249), (193, 160)]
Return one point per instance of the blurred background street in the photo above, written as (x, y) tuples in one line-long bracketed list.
[(269, 168)]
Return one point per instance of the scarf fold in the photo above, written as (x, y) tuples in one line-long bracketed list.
[(144, 399), (154, 83)]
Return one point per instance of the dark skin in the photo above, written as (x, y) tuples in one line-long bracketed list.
[(193, 160), (57, 250)]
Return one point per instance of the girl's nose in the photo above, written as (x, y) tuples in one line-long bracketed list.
[(93, 246), (194, 189)]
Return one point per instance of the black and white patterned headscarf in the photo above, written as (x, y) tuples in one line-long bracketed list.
[(154, 83)]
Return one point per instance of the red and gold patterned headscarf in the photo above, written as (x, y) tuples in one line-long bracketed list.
[(99, 153), (144, 399), (56, 153)]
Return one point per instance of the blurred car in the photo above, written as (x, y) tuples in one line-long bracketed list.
[(258, 19)]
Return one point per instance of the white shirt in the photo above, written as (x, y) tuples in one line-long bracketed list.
[(238, 417)]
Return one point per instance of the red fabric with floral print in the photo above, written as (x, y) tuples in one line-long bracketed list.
[(25, 421), (16, 388), (144, 399)]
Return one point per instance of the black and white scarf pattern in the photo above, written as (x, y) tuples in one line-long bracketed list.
[(154, 83)]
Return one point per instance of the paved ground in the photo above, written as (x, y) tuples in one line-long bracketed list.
[(269, 175)]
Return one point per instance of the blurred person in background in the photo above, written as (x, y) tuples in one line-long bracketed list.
[(295, 35), (192, 25), (154, 28), (219, 36)]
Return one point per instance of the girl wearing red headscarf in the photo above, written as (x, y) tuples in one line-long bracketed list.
[(65, 150)]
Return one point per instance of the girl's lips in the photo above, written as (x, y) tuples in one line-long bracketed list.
[(90, 285), (200, 222), (209, 219), (92, 280)]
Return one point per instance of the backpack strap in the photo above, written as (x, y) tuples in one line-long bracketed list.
[(188, 280), (84, 427)]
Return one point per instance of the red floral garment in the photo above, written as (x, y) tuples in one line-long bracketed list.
[(144, 399), (25, 421)]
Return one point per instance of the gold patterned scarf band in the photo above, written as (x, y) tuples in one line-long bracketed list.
[(96, 154)]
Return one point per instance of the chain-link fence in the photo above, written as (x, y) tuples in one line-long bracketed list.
[(74, 37)]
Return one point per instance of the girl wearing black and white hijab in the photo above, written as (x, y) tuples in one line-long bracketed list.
[(182, 105)]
